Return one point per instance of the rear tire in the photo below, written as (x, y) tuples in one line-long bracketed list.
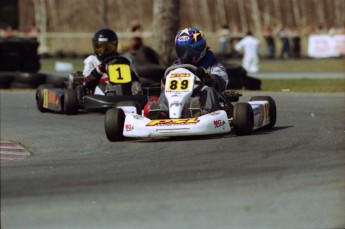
[(243, 119), (70, 102), (113, 124), (40, 97), (272, 108)]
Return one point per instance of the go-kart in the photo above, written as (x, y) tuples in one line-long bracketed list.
[(74, 96), (181, 84)]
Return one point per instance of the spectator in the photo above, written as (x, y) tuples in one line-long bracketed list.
[(320, 29), (282, 32), (33, 31), (270, 43), (296, 41), (136, 41), (249, 46), (224, 39)]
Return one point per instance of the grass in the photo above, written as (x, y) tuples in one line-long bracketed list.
[(304, 85), (302, 65)]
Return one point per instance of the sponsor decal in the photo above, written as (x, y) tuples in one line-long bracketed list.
[(173, 122), (218, 123), (183, 38), (45, 98), (129, 127), (267, 109), (102, 39), (260, 110), (53, 99), (179, 75), (178, 85)]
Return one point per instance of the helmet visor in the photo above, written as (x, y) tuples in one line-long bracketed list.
[(105, 48), (189, 53)]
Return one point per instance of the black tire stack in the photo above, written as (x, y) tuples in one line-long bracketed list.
[(239, 79), (19, 63)]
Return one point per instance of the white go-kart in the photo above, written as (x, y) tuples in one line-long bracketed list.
[(127, 120)]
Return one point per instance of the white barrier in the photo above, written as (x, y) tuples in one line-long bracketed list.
[(323, 46)]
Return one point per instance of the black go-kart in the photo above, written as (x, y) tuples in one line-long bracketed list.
[(73, 97)]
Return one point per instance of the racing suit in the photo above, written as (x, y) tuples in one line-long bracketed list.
[(94, 77), (250, 46), (209, 99)]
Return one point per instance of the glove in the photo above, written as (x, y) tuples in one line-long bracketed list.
[(201, 73), (89, 84), (86, 79), (100, 69), (97, 72)]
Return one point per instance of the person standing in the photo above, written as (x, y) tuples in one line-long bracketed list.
[(270, 43), (296, 41), (249, 46), (224, 41), (283, 32)]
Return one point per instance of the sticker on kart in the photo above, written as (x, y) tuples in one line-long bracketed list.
[(172, 122), (178, 85), (119, 73)]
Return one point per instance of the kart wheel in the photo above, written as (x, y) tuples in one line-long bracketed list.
[(40, 96), (70, 102), (130, 104), (113, 124), (272, 108), (243, 119)]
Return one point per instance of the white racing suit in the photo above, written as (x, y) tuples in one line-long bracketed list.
[(91, 63), (249, 45)]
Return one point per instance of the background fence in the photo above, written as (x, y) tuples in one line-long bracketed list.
[(68, 25)]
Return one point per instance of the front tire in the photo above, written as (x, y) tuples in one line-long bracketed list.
[(113, 124), (70, 102), (243, 119), (272, 108)]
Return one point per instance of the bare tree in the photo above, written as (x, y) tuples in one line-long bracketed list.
[(243, 16), (40, 9), (296, 12), (256, 17), (164, 26)]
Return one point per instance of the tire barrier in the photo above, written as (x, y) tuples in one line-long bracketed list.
[(19, 54), (238, 78), (29, 80), (19, 63)]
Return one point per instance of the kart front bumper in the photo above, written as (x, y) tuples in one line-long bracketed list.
[(213, 123)]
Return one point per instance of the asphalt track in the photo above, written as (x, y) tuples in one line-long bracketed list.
[(290, 177)]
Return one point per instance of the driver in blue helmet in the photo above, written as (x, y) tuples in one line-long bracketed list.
[(191, 48), (104, 44)]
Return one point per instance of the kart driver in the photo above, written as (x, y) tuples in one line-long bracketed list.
[(191, 48), (104, 44)]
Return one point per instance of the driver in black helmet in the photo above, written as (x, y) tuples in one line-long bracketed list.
[(104, 44)]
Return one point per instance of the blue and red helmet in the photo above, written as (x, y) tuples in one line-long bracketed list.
[(190, 45)]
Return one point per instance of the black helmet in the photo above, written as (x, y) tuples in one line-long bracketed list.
[(104, 43)]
